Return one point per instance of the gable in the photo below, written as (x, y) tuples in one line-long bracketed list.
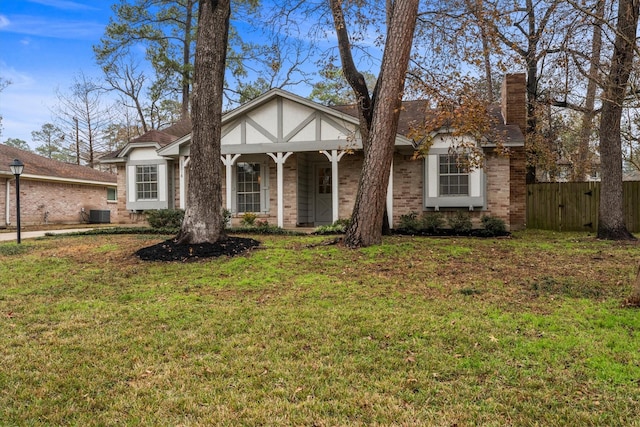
[(291, 125)]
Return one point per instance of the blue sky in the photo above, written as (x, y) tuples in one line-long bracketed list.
[(43, 44)]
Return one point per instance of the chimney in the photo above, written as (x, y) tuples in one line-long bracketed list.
[(514, 100)]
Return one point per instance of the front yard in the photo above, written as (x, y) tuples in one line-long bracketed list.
[(418, 331)]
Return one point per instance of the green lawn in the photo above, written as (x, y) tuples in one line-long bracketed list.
[(417, 331)]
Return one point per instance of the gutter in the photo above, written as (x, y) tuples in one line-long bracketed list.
[(68, 180)]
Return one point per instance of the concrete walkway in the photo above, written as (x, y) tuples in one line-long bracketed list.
[(11, 235)]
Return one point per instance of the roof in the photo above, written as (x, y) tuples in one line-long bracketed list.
[(412, 114), (36, 166), (161, 138)]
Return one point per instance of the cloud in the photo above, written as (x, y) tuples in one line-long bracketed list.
[(63, 4), (4, 21), (61, 29), (17, 78)]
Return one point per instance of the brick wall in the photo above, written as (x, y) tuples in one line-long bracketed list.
[(43, 202), (348, 178), (506, 189), (518, 186), (407, 186), (513, 100)]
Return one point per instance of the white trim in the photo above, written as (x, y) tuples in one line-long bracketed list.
[(228, 162), (184, 161), (334, 158), (280, 158), (68, 180)]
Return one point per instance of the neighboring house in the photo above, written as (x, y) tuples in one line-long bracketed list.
[(297, 163), (53, 192)]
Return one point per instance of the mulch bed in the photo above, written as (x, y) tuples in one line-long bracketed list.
[(169, 250)]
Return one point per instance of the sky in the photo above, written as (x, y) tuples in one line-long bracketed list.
[(43, 45)]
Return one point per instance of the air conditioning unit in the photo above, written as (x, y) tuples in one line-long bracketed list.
[(99, 217)]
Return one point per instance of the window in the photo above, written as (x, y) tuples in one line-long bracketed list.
[(147, 182), (450, 183), (112, 194), (454, 177), (324, 180), (248, 187)]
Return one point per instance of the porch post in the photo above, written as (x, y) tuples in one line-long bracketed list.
[(280, 158), (229, 160), (184, 162), (334, 158), (390, 197)]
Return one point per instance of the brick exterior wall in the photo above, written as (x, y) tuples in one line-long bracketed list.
[(505, 185), (513, 100), (407, 186), (505, 179), (518, 186), (43, 202)]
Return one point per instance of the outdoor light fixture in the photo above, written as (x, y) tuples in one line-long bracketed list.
[(16, 169)]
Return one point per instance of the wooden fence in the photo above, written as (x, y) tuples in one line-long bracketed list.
[(573, 206)]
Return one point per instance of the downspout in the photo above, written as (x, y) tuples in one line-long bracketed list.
[(7, 207)]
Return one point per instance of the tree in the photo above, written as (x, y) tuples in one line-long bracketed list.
[(334, 89), (378, 115), (123, 77), (52, 142), (165, 28), (203, 221), (583, 164), (3, 84), (17, 143), (611, 223), (83, 116)]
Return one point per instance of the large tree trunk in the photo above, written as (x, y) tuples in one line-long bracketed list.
[(368, 212), (611, 224), (203, 221)]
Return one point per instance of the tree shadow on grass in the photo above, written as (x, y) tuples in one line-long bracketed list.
[(169, 250)]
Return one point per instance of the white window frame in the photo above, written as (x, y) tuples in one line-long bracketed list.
[(433, 199), (150, 183), (264, 185)]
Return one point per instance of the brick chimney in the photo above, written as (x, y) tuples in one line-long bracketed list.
[(514, 100)]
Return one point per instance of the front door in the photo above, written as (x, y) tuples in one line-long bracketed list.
[(323, 208)]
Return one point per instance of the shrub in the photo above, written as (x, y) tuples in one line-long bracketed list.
[(432, 221), (493, 226), (342, 222), (263, 223), (165, 218), (410, 222), (460, 222), (226, 218), (338, 227), (248, 219)]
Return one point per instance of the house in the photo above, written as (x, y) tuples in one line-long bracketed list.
[(53, 192), (294, 162)]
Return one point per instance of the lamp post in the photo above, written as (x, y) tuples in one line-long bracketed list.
[(16, 169)]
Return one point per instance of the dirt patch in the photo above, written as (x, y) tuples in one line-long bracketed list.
[(169, 250)]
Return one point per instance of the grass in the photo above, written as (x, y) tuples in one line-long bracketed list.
[(417, 331)]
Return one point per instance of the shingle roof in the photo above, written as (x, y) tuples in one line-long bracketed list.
[(414, 113), (45, 167), (162, 137)]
